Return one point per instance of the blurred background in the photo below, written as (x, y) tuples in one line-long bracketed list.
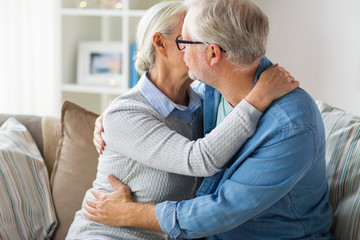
[(47, 48)]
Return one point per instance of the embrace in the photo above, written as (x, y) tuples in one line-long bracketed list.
[(239, 156)]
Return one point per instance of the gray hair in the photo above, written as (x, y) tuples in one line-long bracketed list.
[(238, 26), (163, 17)]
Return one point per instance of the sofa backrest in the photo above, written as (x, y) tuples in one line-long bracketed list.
[(32, 123), (45, 132), (51, 127)]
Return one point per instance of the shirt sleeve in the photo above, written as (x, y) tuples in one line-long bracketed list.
[(261, 180), (139, 134)]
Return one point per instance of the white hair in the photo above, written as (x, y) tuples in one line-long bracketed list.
[(238, 26), (163, 17)]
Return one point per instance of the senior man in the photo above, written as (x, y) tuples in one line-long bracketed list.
[(275, 186)]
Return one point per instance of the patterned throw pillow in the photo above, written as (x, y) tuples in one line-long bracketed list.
[(26, 207), (343, 169)]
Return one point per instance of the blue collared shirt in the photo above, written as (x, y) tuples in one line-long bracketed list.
[(164, 105), (274, 188)]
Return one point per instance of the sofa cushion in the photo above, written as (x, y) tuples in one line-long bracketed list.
[(26, 207), (75, 165), (343, 169)]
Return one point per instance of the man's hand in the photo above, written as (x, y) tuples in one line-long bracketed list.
[(97, 140), (107, 209), (118, 209)]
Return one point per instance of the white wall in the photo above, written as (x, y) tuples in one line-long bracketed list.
[(318, 41)]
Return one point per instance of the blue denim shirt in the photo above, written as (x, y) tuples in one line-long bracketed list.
[(275, 186)]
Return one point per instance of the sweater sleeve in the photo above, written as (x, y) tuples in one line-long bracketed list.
[(136, 132)]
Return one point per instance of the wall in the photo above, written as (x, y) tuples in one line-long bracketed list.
[(318, 41)]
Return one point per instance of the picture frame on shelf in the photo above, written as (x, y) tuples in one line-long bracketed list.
[(100, 63)]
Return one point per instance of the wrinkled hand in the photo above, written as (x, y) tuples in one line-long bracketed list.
[(276, 82), (110, 208), (273, 83), (98, 140)]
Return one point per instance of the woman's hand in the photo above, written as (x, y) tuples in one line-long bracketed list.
[(98, 140), (273, 83)]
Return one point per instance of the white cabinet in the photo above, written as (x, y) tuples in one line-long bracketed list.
[(100, 24)]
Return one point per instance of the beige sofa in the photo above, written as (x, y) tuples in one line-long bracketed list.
[(71, 160), (69, 155)]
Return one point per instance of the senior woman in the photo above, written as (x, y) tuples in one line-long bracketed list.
[(160, 119)]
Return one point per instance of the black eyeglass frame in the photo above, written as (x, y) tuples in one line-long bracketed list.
[(177, 41)]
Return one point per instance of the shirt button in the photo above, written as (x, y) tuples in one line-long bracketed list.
[(195, 180)]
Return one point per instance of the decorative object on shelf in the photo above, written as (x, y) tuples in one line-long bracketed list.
[(100, 63), (116, 4), (97, 3), (82, 3)]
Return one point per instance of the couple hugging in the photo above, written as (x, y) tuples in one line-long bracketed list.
[(240, 156)]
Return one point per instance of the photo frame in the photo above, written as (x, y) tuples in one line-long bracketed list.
[(100, 63)]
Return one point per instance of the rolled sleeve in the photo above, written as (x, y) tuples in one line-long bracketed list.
[(166, 216)]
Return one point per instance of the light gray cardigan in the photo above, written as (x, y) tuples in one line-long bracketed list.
[(147, 152)]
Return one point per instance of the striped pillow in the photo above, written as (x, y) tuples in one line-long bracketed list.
[(343, 169), (26, 208)]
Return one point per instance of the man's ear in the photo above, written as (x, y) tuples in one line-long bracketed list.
[(213, 54), (159, 43)]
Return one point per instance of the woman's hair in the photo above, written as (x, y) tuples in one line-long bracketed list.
[(163, 17), (238, 26)]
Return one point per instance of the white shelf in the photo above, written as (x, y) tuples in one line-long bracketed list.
[(78, 25), (102, 12), (93, 89), (136, 13)]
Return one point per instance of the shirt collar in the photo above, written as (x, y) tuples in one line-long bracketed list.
[(264, 64), (163, 104)]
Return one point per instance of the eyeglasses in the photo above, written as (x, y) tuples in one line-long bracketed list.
[(181, 44)]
